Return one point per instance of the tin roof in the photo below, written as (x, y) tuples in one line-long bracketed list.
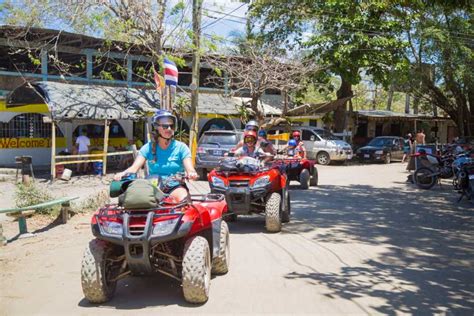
[(94, 102)]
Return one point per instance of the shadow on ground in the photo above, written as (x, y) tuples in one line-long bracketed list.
[(428, 267)]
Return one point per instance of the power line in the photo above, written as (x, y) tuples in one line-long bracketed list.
[(212, 23), (231, 15), (225, 19)]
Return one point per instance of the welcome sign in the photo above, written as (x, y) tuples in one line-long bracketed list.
[(16, 143)]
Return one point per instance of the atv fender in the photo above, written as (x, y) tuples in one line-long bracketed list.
[(283, 181), (216, 232)]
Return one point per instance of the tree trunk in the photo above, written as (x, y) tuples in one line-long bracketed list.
[(193, 133), (407, 103), (340, 113), (285, 103), (416, 104), (258, 114), (390, 98)]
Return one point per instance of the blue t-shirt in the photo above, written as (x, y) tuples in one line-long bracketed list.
[(167, 161)]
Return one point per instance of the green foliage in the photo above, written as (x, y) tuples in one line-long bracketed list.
[(106, 75), (178, 8), (32, 194), (344, 35), (34, 60)]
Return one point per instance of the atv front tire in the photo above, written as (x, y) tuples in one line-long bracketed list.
[(286, 211), (95, 274), (314, 177), (220, 265), (196, 270), (305, 179), (272, 213)]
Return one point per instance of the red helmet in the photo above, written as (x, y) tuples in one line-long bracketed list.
[(296, 134), (248, 134)]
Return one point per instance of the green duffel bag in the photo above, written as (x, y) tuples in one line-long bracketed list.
[(140, 194)]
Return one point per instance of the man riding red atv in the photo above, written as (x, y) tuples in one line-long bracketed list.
[(185, 240), (296, 166), (252, 187)]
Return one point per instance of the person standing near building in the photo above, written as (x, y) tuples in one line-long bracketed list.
[(407, 147), (420, 137), (82, 143)]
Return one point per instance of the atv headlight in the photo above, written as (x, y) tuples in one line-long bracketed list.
[(379, 152), (112, 228), (261, 182), (218, 182), (165, 227)]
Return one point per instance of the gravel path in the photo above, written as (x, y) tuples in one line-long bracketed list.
[(363, 242)]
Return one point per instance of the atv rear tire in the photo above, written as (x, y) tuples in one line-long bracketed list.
[(314, 177), (96, 286), (272, 213), (196, 270), (285, 214), (305, 179), (230, 217), (220, 265)]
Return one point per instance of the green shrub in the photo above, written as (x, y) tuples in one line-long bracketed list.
[(27, 195)]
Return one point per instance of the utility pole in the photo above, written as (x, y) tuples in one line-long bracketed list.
[(197, 9)]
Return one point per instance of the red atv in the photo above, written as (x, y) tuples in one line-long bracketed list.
[(299, 169), (250, 188), (186, 241)]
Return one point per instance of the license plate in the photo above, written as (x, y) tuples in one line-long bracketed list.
[(471, 177), (366, 156), (217, 152)]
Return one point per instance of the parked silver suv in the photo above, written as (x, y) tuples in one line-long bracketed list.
[(321, 145)]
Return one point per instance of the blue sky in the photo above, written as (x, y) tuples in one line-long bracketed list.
[(214, 21)]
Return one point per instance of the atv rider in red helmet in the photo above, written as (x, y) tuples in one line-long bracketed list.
[(250, 148), (300, 149), (251, 125), (165, 156)]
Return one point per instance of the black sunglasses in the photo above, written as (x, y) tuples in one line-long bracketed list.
[(166, 126)]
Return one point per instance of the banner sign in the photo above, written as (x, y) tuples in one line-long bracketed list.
[(16, 143)]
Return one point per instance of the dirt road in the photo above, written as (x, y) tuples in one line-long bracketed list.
[(363, 242)]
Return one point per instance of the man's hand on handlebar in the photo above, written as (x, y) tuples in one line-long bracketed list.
[(192, 175)]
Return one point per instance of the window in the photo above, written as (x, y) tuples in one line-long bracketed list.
[(313, 123), (27, 125), (307, 135), (97, 131)]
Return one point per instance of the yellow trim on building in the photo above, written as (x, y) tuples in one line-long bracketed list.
[(283, 136), (24, 142), (27, 108), (116, 142)]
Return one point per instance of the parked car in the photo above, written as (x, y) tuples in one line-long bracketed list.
[(212, 146), (321, 145), (382, 149)]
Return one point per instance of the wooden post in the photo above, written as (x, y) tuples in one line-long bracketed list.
[(65, 209), (53, 151), (106, 145)]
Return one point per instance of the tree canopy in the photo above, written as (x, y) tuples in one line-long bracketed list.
[(423, 47)]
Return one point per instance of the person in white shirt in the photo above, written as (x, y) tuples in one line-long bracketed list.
[(82, 142)]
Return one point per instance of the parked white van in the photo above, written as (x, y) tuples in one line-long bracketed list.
[(321, 145)]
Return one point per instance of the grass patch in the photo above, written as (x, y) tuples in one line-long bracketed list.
[(27, 195), (92, 203)]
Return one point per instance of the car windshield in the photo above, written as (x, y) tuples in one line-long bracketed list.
[(220, 138), (380, 142), (326, 135)]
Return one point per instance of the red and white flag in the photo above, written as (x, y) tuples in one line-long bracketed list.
[(171, 73)]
